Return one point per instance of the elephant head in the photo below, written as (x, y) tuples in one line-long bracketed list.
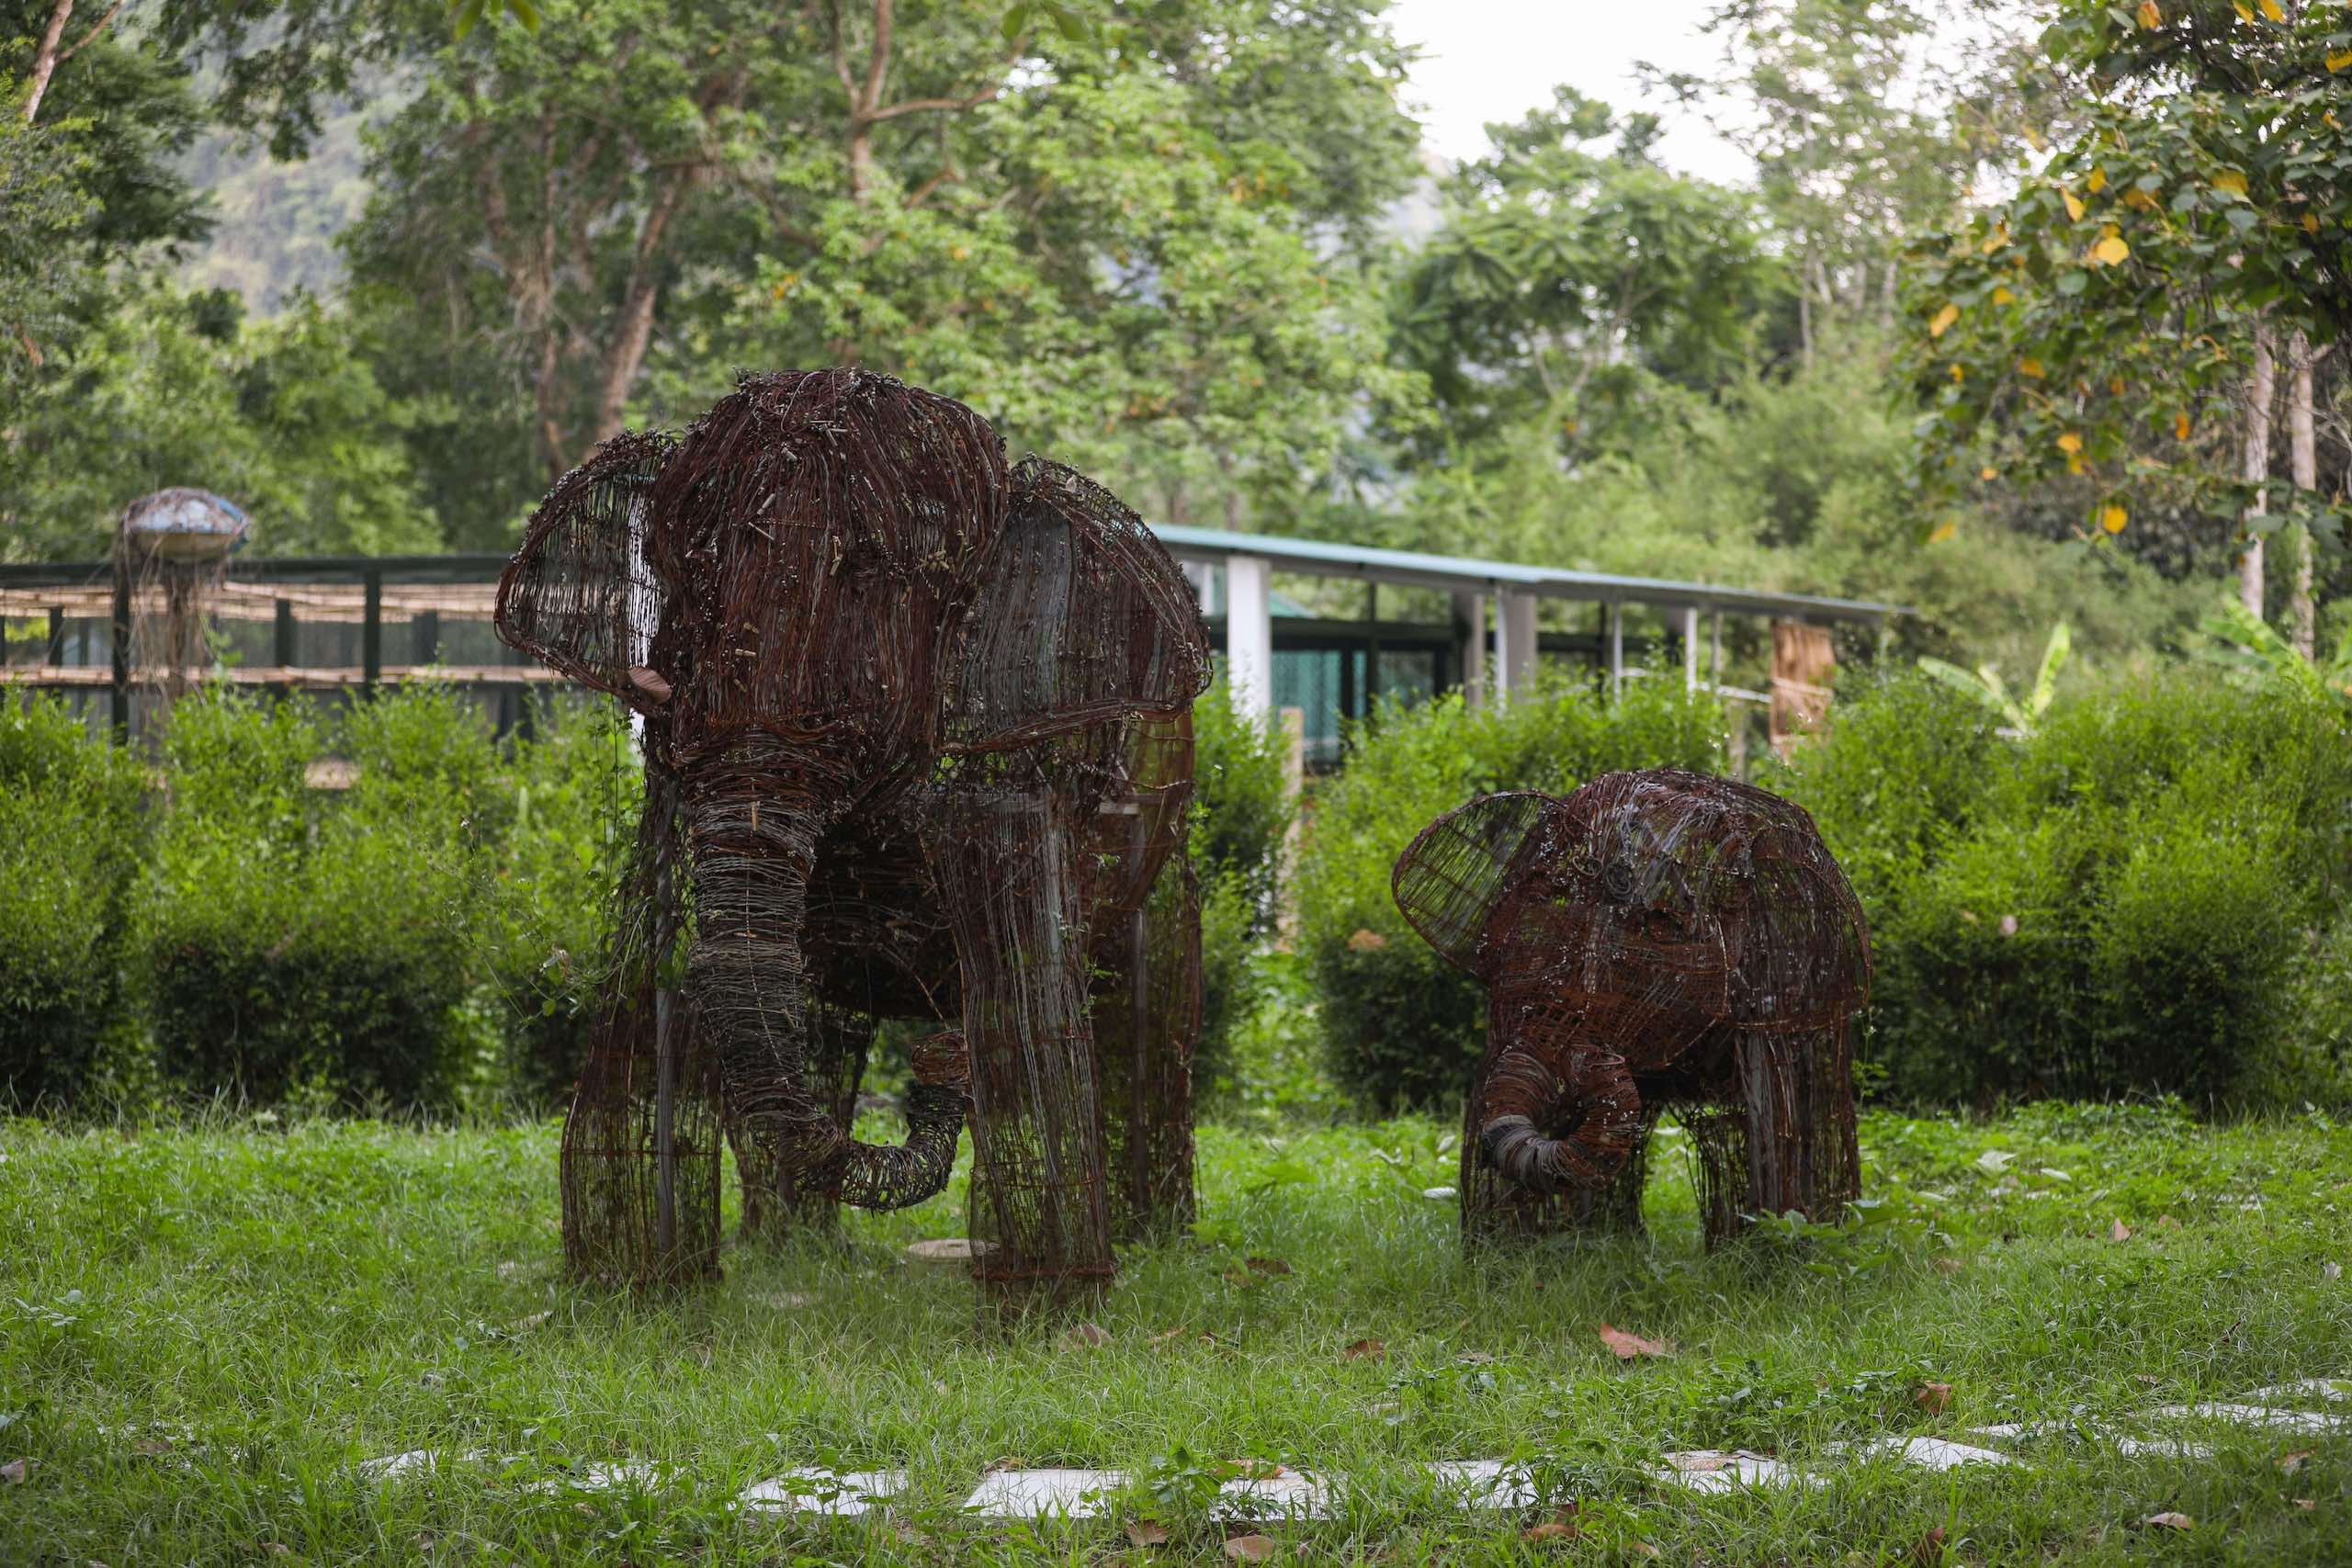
[(828, 591), (1615, 929)]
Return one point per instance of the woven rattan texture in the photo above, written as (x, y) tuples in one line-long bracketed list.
[(917, 740), (1657, 940)]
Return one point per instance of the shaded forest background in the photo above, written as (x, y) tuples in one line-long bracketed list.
[(382, 284)]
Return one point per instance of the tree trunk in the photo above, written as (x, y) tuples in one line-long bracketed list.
[(635, 331), (2256, 462), (2302, 460), (45, 58)]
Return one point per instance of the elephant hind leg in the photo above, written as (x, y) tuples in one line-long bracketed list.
[(1797, 1089)]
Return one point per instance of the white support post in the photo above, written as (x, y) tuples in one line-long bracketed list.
[(1514, 644), (1715, 666), (1471, 608), (1616, 650), (1690, 648), (1249, 633)]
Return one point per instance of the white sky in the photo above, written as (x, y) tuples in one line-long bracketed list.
[(1493, 60)]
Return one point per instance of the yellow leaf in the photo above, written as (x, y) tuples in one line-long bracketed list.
[(1944, 319), (2002, 295), (2180, 427), (2070, 443), (1988, 473), (2245, 12), (1944, 530), (2033, 139), (2073, 205), (1959, 373), (2270, 9), (961, 252), (2032, 366), (2311, 223), (2115, 385), (2136, 197), (2111, 251), (2338, 62), (1996, 240), (2113, 518), (2150, 17), (2075, 465), (2098, 182), (2230, 179)]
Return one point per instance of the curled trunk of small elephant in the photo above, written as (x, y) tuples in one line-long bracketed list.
[(1524, 1095)]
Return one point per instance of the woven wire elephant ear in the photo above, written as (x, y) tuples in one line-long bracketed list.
[(1451, 877), (581, 593), (1083, 619)]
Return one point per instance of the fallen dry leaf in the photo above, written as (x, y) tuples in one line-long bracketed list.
[(1367, 942), (1250, 1548), (2306, 1504), (2118, 1232), (1084, 1337), (1143, 1532), (2166, 1223), (1628, 1346), (1258, 1469), (1935, 1397), (2290, 1463), (1007, 1461), (2170, 1521), (1168, 1335), (1268, 1264), (1550, 1529), (1949, 1265), (1928, 1549), (13, 1473), (1366, 1350), (153, 1446), (1707, 1460), (1644, 1548)]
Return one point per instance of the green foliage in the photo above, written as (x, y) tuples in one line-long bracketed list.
[(576, 787), (1242, 803), (300, 946), (2097, 323), (2127, 900), (283, 417), (1400, 1027), (70, 830), (1984, 684)]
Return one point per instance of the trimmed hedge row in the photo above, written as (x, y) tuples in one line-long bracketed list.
[(2147, 896)]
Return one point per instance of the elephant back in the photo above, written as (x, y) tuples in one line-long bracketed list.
[(1082, 619)]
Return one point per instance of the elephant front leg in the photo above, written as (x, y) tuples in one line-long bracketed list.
[(1007, 866)]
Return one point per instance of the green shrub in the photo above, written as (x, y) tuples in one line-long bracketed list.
[(71, 832), (1399, 1027), (1242, 812), (318, 945), (2126, 901), (576, 787)]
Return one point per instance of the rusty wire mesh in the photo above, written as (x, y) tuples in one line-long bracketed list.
[(926, 720), (1657, 939)]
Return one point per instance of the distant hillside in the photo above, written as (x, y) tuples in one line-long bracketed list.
[(277, 221)]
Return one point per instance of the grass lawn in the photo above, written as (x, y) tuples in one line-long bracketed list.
[(204, 1331)]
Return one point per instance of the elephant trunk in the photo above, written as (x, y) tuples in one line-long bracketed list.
[(1525, 1094), (747, 982)]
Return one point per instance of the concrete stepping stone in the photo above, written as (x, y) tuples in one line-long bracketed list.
[(1928, 1453), (1713, 1471), (1044, 1493), (948, 1249), (812, 1489)]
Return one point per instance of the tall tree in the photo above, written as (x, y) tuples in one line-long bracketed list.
[(2127, 304)]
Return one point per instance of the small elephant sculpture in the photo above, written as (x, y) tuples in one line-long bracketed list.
[(918, 745), (1658, 938)]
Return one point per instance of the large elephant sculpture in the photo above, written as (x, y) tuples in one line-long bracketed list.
[(917, 731), (1656, 938)]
